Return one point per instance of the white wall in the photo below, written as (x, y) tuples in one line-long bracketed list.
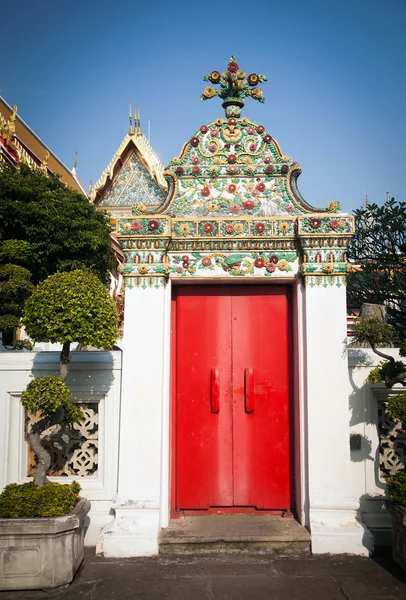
[(368, 485), (94, 376)]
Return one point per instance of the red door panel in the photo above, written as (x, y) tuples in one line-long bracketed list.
[(232, 397), (204, 417), (260, 397)]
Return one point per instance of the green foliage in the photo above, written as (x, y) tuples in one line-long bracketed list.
[(379, 246), (72, 307), (373, 331), (9, 322), (10, 272), (59, 228), (15, 288), (46, 395), (396, 488), (386, 369), (396, 407), (18, 252), (26, 501)]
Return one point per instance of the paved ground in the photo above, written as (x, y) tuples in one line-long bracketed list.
[(226, 578)]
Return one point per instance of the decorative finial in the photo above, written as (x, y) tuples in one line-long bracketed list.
[(9, 128), (44, 165), (75, 164), (139, 132), (234, 87), (131, 130)]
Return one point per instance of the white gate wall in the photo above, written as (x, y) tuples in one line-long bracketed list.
[(95, 381)]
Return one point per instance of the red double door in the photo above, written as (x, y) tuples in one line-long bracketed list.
[(232, 397)]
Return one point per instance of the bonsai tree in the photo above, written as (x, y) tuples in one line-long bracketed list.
[(64, 308), (377, 334)]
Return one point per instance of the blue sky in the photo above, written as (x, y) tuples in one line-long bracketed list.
[(335, 99)]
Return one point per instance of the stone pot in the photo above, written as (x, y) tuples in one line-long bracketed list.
[(398, 514), (42, 553)]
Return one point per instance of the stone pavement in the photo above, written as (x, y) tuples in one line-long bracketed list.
[(230, 578)]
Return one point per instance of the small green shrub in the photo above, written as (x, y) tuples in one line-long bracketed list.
[(396, 488), (26, 501), (385, 368), (46, 395), (396, 407)]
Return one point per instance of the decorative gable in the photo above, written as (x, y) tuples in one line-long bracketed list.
[(133, 184)]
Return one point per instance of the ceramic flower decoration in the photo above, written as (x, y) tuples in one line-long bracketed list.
[(234, 87)]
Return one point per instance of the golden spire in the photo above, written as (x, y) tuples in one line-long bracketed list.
[(139, 132), (131, 130)]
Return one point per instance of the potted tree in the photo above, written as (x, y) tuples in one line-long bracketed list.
[(375, 332), (42, 523)]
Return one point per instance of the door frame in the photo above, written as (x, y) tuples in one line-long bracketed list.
[(298, 468)]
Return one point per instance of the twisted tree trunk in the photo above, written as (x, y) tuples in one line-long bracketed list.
[(64, 360), (34, 431)]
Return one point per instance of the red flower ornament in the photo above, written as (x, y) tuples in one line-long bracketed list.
[(267, 160), (229, 228), (232, 159), (153, 225), (315, 223), (194, 141), (179, 171), (270, 267), (269, 168), (284, 169), (235, 209), (259, 263), (260, 129), (231, 188), (196, 160), (260, 187), (135, 226), (251, 130), (232, 169), (233, 67), (260, 227), (204, 129), (248, 204), (212, 147), (206, 261), (268, 139), (196, 170), (214, 132), (208, 228), (253, 147), (205, 191), (185, 258), (232, 121), (274, 259), (334, 224)]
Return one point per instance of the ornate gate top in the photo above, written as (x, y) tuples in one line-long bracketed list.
[(233, 208)]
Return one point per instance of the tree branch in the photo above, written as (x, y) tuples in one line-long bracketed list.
[(34, 439)]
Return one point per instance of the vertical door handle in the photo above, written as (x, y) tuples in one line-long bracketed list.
[(249, 390), (215, 391)]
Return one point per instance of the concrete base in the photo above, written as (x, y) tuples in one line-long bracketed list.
[(134, 532), (339, 532), (42, 553), (234, 534)]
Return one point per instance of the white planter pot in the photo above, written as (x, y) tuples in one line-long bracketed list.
[(42, 553)]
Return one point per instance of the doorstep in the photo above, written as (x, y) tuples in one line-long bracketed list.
[(234, 534)]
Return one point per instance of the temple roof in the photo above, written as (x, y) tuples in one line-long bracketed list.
[(19, 144), (133, 176)]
